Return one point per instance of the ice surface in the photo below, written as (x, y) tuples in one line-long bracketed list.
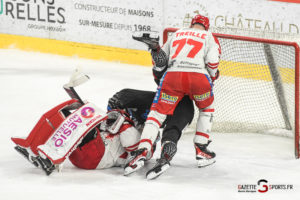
[(31, 83)]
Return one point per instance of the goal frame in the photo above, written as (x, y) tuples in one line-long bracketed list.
[(267, 41)]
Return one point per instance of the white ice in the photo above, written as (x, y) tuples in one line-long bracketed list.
[(31, 83)]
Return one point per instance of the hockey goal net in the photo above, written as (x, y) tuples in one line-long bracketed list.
[(258, 88)]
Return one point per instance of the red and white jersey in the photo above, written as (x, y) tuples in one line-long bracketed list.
[(107, 150), (193, 50), (117, 146)]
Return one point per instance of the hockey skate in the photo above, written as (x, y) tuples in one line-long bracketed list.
[(136, 162), (163, 163), (46, 165), (204, 156), (28, 154), (150, 39)]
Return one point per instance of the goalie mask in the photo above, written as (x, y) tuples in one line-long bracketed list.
[(114, 121)]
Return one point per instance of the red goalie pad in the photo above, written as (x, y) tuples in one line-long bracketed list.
[(44, 128)]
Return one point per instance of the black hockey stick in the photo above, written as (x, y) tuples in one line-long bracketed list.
[(75, 80)]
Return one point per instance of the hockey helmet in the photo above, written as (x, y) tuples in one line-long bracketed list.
[(200, 19)]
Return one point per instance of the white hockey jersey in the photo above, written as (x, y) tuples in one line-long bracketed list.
[(193, 50), (117, 146), (107, 150)]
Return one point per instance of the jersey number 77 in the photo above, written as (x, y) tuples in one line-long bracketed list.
[(197, 46)]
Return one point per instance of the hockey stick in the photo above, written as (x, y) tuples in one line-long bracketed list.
[(75, 80)]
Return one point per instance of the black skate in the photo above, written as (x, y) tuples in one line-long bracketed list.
[(204, 156), (46, 165), (163, 163), (151, 39), (138, 158), (29, 156)]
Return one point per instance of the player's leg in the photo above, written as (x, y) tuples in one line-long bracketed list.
[(42, 131), (136, 102), (68, 135), (182, 116), (203, 97), (164, 103), (202, 137), (148, 138)]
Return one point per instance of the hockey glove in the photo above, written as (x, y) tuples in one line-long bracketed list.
[(151, 39), (115, 102), (216, 76)]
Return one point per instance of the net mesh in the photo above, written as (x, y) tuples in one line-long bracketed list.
[(245, 94)]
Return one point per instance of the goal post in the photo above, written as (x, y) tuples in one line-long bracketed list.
[(258, 88)]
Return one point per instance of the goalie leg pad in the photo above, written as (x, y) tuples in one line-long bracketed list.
[(44, 128), (70, 133)]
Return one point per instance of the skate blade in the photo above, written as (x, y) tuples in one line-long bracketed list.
[(129, 170), (25, 153), (205, 162), (153, 175)]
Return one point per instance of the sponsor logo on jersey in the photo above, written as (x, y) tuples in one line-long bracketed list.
[(87, 112), (169, 98), (202, 97)]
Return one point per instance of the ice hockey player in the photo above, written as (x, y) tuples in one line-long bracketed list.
[(89, 137), (110, 145), (138, 103), (191, 57)]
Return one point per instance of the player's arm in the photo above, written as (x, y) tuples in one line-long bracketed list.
[(212, 58), (129, 137)]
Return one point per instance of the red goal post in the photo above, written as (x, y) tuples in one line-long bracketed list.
[(248, 65)]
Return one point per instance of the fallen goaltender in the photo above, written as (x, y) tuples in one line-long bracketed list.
[(81, 132), (92, 138)]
